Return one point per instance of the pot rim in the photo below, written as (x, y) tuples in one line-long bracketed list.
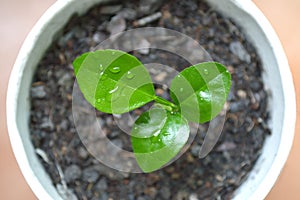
[(13, 91), (18, 70), (289, 98)]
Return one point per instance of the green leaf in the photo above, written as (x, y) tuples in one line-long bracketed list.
[(157, 136), (113, 81), (201, 91)]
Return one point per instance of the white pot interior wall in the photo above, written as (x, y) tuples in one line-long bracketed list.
[(278, 80)]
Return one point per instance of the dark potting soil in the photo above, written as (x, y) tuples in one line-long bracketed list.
[(78, 175)]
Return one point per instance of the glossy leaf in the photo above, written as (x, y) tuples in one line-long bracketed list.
[(113, 81), (157, 136), (201, 91)]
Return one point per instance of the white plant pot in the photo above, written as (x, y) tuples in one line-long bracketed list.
[(277, 78)]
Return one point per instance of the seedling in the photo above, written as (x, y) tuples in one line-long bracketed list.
[(116, 82)]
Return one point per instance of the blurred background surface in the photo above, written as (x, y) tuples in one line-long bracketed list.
[(17, 17)]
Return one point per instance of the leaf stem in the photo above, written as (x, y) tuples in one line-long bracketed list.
[(163, 101)]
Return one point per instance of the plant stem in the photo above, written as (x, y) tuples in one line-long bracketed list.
[(165, 102)]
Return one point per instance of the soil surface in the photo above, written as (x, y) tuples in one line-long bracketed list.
[(78, 175)]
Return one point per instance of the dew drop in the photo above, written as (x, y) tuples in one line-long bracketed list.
[(130, 75), (101, 68), (98, 100), (166, 134), (181, 89), (204, 95), (115, 69), (113, 90), (205, 71), (156, 133)]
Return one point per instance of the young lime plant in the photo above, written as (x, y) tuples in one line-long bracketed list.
[(116, 82)]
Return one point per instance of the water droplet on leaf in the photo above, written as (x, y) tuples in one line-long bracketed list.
[(204, 95), (181, 89), (113, 90), (156, 133), (101, 68), (115, 69), (166, 134), (130, 75), (205, 71)]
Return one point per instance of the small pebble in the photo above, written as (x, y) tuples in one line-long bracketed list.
[(160, 77), (128, 13), (236, 106), (90, 174), (225, 146), (47, 124), (193, 196), (38, 92), (72, 173), (151, 192), (148, 19), (64, 125), (190, 158), (255, 86), (116, 25), (181, 195), (242, 94), (118, 142), (192, 5), (219, 178), (99, 37), (149, 6), (195, 149), (175, 176), (82, 152), (109, 10), (66, 81), (165, 192), (101, 185), (43, 155), (159, 91), (64, 40), (80, 33), (238, 49), (143, 47)]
